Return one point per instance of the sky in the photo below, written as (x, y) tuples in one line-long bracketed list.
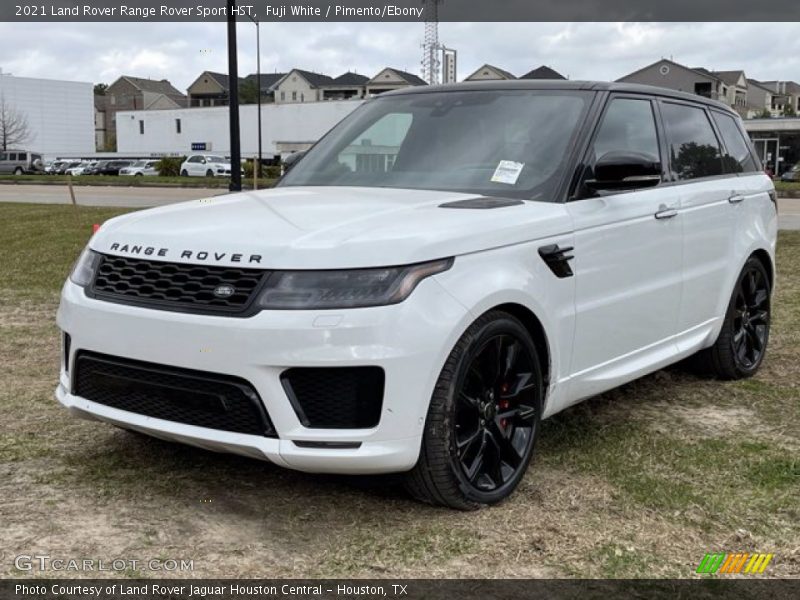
[(101, 52)]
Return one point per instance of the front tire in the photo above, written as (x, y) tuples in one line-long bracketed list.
[(210, 173), (483, 419), (742, 343), (184, 173), (18, 171)]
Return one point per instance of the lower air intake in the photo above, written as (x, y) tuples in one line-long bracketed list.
[(336, 397), (173, 394)]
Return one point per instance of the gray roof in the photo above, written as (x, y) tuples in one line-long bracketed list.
[(153, 85), (350, 78), (315, 79), (267, 79), (729, 77), (543, 72), (410, 77)]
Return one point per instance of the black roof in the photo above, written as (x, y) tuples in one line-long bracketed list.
[(543, 72), (551, 84), (350, 78)]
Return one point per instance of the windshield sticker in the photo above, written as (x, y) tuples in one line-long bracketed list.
[(507, 172)]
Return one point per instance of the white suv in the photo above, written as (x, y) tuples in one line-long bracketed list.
[(446, 268), (205, 165)]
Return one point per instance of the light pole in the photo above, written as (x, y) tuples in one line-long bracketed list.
[(258, 76), (233, 76)]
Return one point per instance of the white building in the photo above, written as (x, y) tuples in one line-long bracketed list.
[(60, 114), (285, 128)]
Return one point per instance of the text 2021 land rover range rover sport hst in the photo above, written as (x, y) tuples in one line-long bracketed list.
[(444, 269)]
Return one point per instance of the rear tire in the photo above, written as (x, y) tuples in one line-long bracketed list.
[(483, 418), (184, 173), (742, 342), (18, 171)]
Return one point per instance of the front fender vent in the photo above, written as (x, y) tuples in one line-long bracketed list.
[(557, 259)]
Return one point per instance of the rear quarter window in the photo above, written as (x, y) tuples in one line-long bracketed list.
[(737, 157), (694, 150)]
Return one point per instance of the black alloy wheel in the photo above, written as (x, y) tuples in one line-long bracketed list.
[(742, 342), (483, 419), (495, 413), (751, 318)]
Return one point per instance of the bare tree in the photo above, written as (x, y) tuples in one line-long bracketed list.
[(14, 128)]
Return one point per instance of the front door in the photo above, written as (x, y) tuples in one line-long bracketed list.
[(627, 263)]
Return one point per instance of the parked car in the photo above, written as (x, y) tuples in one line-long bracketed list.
[(443, 270), (111, 167), (205, 165), (140, 168), (66, 166), (792, 174), (20, 162), (82, 168)]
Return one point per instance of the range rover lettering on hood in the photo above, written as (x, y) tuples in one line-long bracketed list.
[(198, 255)]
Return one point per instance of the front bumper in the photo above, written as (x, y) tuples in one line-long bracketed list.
[(409, 341)]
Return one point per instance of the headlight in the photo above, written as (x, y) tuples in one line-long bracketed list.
[(85, 268), (286, 290)]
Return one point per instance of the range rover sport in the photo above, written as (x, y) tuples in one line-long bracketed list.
[(443, 270)]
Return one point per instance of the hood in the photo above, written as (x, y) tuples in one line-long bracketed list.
[(325, 228)]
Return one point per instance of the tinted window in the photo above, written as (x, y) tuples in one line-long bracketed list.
[(693, 146), (628, 125), (738, 158)]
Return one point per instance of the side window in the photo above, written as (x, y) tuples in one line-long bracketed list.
[(628, 126), (738, 158), (3, 156), (694, 150)]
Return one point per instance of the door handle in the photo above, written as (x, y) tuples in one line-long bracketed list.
[(666, 212), (736, 198)]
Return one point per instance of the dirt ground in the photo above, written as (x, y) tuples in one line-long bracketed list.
[(639, 482)]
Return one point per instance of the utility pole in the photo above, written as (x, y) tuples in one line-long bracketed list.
[(233, 77), (257, 169)]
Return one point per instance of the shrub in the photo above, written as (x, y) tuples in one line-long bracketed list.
[(267, 171), (170, 166)]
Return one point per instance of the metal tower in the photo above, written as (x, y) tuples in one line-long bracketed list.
[(431, 48)]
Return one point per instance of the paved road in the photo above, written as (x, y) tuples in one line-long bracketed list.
[(789, 208), (128, 197)]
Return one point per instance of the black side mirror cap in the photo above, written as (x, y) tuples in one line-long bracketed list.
[(625, 171), (291, 160)]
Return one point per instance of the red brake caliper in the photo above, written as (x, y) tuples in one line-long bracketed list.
[(504, 404)]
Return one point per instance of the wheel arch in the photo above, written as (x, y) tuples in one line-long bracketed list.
[(534, 326), (766, 260)]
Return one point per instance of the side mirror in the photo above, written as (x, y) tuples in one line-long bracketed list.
[(291, 160), (625, 171)]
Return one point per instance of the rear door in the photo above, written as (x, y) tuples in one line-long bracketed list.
[(706, 191), (627, 259)]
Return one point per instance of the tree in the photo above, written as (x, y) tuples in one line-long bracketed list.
[(788, 111), (764, 114), (248, 92), (14, 128), (100, 89)]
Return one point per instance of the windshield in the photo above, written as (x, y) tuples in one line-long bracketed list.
[(505, 143)]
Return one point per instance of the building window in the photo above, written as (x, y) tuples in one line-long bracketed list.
[(294, 96), (141, 127), (302, 97), (177, 125), (283, 96)]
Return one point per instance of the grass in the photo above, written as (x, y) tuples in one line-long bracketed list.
[(639, 482), (789, 189), (110, 180)]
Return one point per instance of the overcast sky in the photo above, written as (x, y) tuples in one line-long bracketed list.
[(100, 52)]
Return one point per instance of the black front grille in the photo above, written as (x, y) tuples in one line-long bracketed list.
[(176, 286), (336, 397), (170, 393)]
